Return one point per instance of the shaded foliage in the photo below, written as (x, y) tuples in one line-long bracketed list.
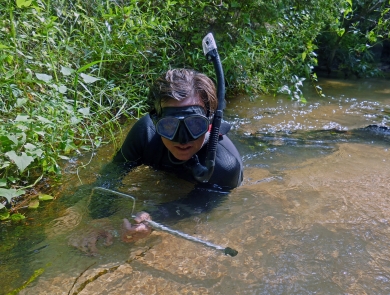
[(349, 44)]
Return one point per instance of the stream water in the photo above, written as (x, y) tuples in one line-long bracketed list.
[(312, 215)]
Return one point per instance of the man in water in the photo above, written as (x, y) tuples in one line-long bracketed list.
[(173, 137), (177, 128)]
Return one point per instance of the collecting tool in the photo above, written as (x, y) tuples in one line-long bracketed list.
[(158, 226)]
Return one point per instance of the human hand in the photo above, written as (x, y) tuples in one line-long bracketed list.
[(134, 232), (85, 239)]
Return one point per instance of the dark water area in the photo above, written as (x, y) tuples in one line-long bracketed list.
[(312, 215)]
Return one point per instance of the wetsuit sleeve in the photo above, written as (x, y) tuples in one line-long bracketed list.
[(141, 146), (202, 199), (130, 155), (133, 147)]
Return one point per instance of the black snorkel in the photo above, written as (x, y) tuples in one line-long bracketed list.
[(203, 173)]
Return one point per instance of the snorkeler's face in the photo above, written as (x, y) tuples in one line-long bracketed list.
[(182, 124), (184, 146)]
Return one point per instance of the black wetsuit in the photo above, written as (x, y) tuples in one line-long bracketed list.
[(144, 146)]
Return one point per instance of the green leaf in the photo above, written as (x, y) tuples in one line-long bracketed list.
[(21, 161), (30, 146), (23, 3), (2, 46), (89, 79), (33, 150), (75, 120), (303, 55), (340, 32), (6, 141), (22, 118), (3, 215), (43, 197), (44, 120), (37, 153), (44, 77), (62, 89), (10, 193), (63, 157), (3, 182), (21, 101), (17, 217), (84, 111), (22, 127), (40, 132), (70, 146), (67, 71), (12, 179), (82, 69), (34, 204)]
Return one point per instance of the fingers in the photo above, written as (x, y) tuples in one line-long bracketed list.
[(134, 232), (142, 216), (126, 225), (127, 231), (86, 240)]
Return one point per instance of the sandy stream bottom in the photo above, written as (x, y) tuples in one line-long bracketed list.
[(320, 227)]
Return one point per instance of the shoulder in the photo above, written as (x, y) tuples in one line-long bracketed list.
[(142, 131), (144, 122), (140, 144), (228, 170), (226, 147)]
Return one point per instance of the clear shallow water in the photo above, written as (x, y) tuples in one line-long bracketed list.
[(312, 216)]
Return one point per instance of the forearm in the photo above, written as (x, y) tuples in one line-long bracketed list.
[(199, 200), (103, 204)]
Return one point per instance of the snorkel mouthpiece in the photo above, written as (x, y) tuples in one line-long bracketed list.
[(210, 50)]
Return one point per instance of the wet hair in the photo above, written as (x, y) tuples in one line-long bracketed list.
[(180, 84)]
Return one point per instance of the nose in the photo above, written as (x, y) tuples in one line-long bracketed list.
[(182, 134)]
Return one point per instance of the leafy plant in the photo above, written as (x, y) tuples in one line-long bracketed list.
[(346, 44), (72, 71)]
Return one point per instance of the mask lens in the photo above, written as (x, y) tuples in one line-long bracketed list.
[(167, 127), (197, 125)]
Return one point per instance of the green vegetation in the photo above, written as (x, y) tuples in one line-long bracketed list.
[(347, 43), (71, 71)]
